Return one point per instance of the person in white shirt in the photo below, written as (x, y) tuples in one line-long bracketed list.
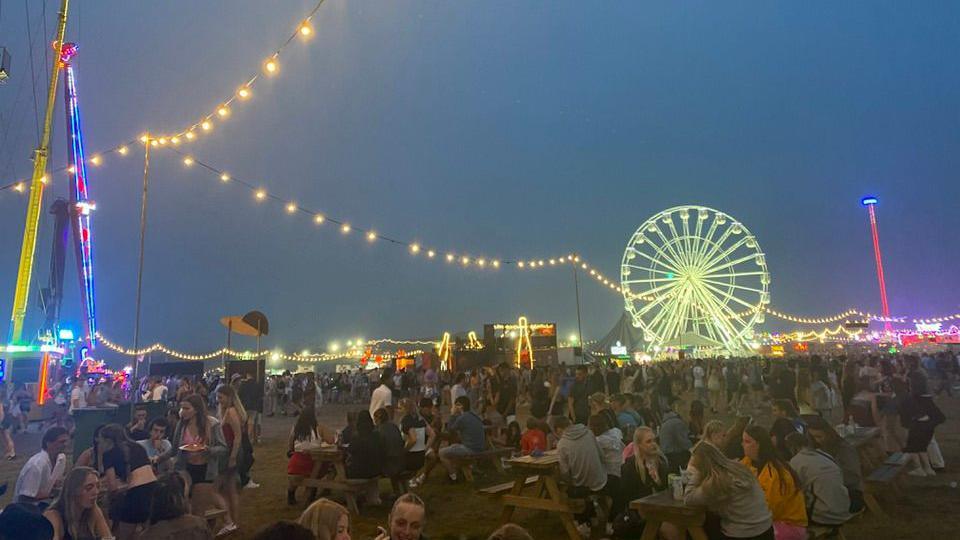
[(157, 391), (457, 390), (78, 396), (699, 383), (383, 395), (38, 479)]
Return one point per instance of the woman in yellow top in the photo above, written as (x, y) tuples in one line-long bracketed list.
[(779, 483)]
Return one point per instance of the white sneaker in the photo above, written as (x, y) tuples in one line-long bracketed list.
[(251, 485), (227, 529), (917, 472)]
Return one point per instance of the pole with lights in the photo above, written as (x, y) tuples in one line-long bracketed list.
[(870, 202)]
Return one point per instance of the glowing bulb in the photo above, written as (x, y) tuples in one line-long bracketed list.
[(96, 159), (520, 264), (174, 140), (291, 208), (345, 228), (584, 266), (243, 92), (153, 142), (540, 263), (271, 66), (318, 219), (371, 236), (414, 248), (43, 179), (224, 177), (261, 194), (162, 141), (19, 187), (71, 169), (206, 125), (334, 346), (553, 262), (305, 29), (190, 135), (449, 257), (481, 262), (465, 260), (496, 264), (144, 138), (431, 253), (223, 111), (188, 161), (122, 150)]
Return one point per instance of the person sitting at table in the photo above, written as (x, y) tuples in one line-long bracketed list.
[(610, 441), (733, 439), (844, 454), (284, 530), (642, 474), (75, 514), (407, 518), (580, 463), (715, 433), (307, 434), (39, 477), (170, 517), (534, 438), (418, 437), (779, 482), (128, 473), (327, 520), (157, 444), (23, 521), (730, 490), (365, 456), (510, 531), (828, 502), (600, 404), (469, 427), (137, 428), (394, 449), (786, 421)]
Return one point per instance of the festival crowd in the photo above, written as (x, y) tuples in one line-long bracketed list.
[(620, 434)]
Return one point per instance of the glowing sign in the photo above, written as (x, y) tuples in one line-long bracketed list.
[(929, 327), (618, 350), (869, 201), (65, 334)]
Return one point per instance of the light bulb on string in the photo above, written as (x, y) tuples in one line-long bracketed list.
[(431, 253), (318, 219), (305, 29), (188, 161), (162, 141), (414, 248), (271, 66), (224, 177), (122, 150), (244, 92), (190, 136), (371, 236), (206, 125), (345, 228), (261, 194), (96, 159), (175, 140), (291, 208), (223, 111)]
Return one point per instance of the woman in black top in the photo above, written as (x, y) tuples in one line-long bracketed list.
[(365, 454), (129, 478), (393, 448), (642, 474)]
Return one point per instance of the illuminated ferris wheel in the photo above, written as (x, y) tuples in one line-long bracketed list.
[(694, 276)]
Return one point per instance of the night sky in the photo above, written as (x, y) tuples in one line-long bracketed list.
[(502, 129)]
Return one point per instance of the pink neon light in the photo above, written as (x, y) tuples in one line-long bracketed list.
[(876, 254)]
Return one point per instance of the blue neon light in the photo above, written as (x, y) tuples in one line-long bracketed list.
[(869, 201), (65, 334)]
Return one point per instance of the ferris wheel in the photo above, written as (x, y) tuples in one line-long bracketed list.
[(695, 276)]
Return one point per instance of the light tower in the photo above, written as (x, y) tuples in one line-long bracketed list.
[(870, 202)]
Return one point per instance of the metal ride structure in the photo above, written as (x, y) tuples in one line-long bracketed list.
[(692, 275)]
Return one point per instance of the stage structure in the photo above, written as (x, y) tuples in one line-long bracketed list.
[(694, 276)]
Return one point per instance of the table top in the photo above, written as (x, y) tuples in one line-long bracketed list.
[(548, 460), (663, 501), (326, 451), (862, 436)]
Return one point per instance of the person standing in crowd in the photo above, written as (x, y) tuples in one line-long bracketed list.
[(157, 444), (382, 396), (170, 517), (468, 425), (779, 482), (599, 404), (39, 477), (406, 520), (458, 389), (730, 490), (233, 419), (578, 403), (695, 425), (627, 418), (75, 514), (675, 439), (715, 388), (507, 391), (6, 425), (203, 452), (699, 381), (820, 478), (821, 394), (846, 457), (418, 438), (129, 477), (327, 520), (786, 421), (580, 464), (251, 395)]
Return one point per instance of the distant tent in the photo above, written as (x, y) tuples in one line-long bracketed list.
[(623, 332), (691, 339)]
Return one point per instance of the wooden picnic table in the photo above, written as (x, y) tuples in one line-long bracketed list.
[(868, 444), (338, 482), (547, 494), (661, 507)]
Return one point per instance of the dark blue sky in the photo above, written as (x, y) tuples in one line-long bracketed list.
[(507, 129)]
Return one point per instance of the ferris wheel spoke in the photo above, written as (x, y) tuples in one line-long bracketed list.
[(669, 267), (664, 272), (650, 280), (707, 240), (729, 275), (720, 320), (735, 286), (675, 258), (659, 322), (734, 262), (650, 305), (666, 287), (673, 230), (718, 245), (727, 252), (686, 239), (711, 308), (727, 295)]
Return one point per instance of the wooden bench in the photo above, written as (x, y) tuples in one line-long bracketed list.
[(507, 486), (883, 481), (463, 463), (212, 515)]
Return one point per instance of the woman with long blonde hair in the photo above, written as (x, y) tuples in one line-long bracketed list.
[(233, 418), (729, 489), (75, 513), (642, 474), (327, 520)]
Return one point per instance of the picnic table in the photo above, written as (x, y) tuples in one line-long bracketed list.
[(338, 482), (867, 442), (661, 507), (547, 494)]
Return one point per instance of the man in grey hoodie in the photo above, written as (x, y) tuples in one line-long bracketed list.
[(828, 502), (675, 439), (580, 461)]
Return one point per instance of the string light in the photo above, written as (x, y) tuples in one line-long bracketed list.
[(96, 159), (318, 219), (175, 140), (206, 125), (345, 228), (223, 111), (291, 208), (305, 29), (371, 236), (243, 92), (122, 150), (271, 66), (414, 248), (261, 194), (224, 177), (188, 161)]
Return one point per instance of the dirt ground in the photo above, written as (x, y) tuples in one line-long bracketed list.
[(926, 508)]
